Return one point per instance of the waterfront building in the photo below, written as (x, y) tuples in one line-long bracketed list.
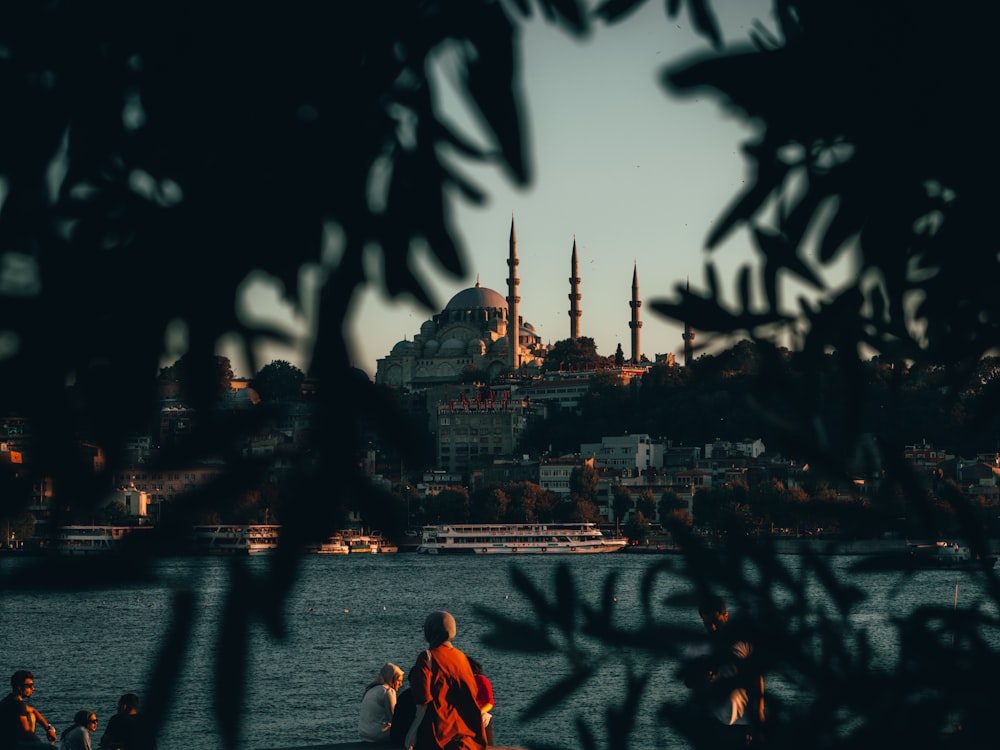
[(474, 432), (504, 471), (629, 455), (554, 472), (748, 448)]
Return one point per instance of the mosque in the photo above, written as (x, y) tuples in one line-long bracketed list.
[(479, 329)]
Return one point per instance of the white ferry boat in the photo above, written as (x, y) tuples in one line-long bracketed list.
[(236, 539), (88, 540), (335, 545), (517, 538)]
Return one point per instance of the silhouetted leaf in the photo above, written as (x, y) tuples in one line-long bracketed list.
[(557, 693), (612, 11), (538, 600), (566, 599)]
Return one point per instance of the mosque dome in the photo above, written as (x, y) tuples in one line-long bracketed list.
[(452, 348), (402, 348), (431, 347), (477, 298), (428, 328), (476, 347)]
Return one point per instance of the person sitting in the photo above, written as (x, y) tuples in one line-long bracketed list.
[(379, 703), (17, 719), (402, 718), (444, 692), (128, 729), (77, 736), (484, 698)]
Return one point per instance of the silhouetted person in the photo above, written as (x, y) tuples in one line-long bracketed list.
[(77, 736), (17, 719), (444, 690), (128, 729), (379, 704), (727, 683), (484, 698)]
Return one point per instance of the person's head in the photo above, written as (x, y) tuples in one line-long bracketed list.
[(439, 627), (714, 614), (22, 682), (391, 675), (477, 668), (128, 703), (85, 719)]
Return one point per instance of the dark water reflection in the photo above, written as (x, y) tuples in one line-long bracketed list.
[(346, 618)]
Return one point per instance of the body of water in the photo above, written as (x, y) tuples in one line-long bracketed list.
[(346, 618)]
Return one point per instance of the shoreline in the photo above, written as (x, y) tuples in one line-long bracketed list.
[(782, 545)]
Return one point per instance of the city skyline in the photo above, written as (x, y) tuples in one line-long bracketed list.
[(632, 175)]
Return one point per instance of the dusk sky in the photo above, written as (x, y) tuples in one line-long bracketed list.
[(634, 174)]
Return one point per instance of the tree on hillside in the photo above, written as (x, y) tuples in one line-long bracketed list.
[(583, 482), (529, 503), (581, 510), (186, 372), (488, 505), (669, 502), (621, 501), (278, 381), (572, 354), (646, 503), (450, 505)]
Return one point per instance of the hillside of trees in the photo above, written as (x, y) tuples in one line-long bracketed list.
[(724, 396)]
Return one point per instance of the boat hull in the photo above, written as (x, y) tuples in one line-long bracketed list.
[(517, 539), (92, 540), (948, 556), (236, 539)]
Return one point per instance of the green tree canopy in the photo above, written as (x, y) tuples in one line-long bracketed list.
[(572, 354), (278, 381)]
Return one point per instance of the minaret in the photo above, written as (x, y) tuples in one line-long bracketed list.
[(574, 296), (513, 322), (635, 324), (688, 337)]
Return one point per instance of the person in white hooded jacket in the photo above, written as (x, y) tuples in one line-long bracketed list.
[(379, 703)]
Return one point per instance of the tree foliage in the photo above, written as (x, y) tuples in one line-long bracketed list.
[(194, 147), (255, 144), (572, 354), (278, 381), (871, 126)]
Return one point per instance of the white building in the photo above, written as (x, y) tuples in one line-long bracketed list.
[(627, 454), (725, 448), (554, 472)]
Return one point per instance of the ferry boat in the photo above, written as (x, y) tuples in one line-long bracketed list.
[(948, 556), (335, 545), (88, 540), (236, 539), (518, 538), (359, 542)]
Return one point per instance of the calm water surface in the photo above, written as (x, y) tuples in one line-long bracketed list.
[(347, 617)]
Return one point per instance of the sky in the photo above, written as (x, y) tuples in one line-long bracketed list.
[(634, 174)]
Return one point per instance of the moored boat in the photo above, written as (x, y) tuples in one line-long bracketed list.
[(88, 540), (236, 539), (948, 556), (500, 539), (359, 542), (332, 546)]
